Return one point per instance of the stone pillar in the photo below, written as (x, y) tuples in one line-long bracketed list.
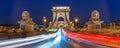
[(26, 23), (94, 24), (29, 28)]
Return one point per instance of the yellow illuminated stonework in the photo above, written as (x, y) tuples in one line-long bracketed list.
[(60, 12)]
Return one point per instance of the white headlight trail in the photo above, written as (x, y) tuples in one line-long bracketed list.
[(27, 41), (52, 42)]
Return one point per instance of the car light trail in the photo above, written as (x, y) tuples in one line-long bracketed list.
[(26, 41), (58, 38), (55, 41), (96, 38)]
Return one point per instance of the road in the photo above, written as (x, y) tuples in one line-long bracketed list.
[(60, 40)]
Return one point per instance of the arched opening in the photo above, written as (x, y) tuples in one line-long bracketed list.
[(60, 19)]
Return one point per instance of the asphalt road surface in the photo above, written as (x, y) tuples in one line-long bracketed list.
[(60, 40)]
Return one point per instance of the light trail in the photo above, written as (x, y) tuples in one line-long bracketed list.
[(52, 43), (26, 41), (95, 38), (58, 38), (19, 40)]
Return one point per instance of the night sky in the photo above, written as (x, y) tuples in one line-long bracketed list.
[(11, 10)]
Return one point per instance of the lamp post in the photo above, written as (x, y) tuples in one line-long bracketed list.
[(114, 25), (44, 21), (76, 21), (71, 23)]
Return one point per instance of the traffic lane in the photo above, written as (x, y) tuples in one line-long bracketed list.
[(49, 44), (63, 43), (36, 45), (85, 44), (44, 44), (70, 43), (67, 42), (97, 38), (25, 41), (58, 42)]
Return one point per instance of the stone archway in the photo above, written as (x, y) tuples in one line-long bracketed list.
[(60, 19), (60, 13)]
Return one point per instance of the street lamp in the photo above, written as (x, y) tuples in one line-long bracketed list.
[(76, 21), (44, 21), (71, 22)]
